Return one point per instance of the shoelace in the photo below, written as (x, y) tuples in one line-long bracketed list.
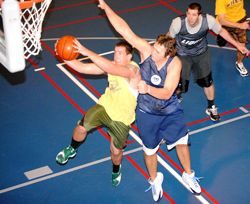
[(150, 187), (196, 180)]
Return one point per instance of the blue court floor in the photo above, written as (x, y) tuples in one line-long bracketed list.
[(39, 109)]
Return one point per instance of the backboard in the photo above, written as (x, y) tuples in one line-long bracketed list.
[(22, 26)]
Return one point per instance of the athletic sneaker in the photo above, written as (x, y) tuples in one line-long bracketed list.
[(116, 177), (156, 187), (63, 156), (213, 113), (242, 69), (192, 182)]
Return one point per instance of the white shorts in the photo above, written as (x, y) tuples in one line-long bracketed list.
[(181, 141)]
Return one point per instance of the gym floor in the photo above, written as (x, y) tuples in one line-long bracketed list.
[(40, 107)]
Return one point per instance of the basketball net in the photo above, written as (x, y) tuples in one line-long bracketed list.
[(32, 15)]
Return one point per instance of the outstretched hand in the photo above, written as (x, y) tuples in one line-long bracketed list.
[(79, 48), (102, 4)]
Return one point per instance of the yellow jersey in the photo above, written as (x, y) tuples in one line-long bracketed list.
[(119, 99), (234, 9)]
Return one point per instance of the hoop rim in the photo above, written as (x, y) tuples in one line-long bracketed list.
[(28, 4)]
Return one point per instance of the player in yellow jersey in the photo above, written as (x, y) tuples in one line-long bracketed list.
[(115, 108), (232, 16)]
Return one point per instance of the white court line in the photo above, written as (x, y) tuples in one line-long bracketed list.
[(64, 172), (225, 48), (169, 168), (219, 124), (243, 109), (39, 69)]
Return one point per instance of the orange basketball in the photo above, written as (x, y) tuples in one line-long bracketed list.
[(65, 49)]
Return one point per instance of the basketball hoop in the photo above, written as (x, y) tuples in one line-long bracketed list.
[(21, 31), (32, 15)]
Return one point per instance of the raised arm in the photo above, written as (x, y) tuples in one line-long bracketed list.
[(104, 64), (125, 31), (84, 68)]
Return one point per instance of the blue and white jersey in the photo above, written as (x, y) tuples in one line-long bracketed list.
[(192, 44), (156, 78)]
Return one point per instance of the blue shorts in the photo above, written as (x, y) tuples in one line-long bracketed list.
[(155, 128)]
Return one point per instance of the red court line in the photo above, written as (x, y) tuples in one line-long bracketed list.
[(197, 121), (99, 17), (209, 196), (81, 78), (129, 158), (207, 119), (130, 142), (72, 22), (58, 88), (229, 112), (170, 160), (104, 134), (247, 106), (171, 7), (181, 170), (144, 173), (135, 128)]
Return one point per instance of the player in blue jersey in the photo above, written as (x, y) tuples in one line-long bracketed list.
[(191, 32), (159, 115)]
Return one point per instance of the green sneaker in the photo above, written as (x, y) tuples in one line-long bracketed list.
[(116, 177), (63, 156)]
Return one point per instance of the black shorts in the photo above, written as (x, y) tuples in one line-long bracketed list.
[(199, 65)]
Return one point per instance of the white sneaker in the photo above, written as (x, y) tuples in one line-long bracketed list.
[(191, 181), (156, 187), (213, 113), (242, 69)]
